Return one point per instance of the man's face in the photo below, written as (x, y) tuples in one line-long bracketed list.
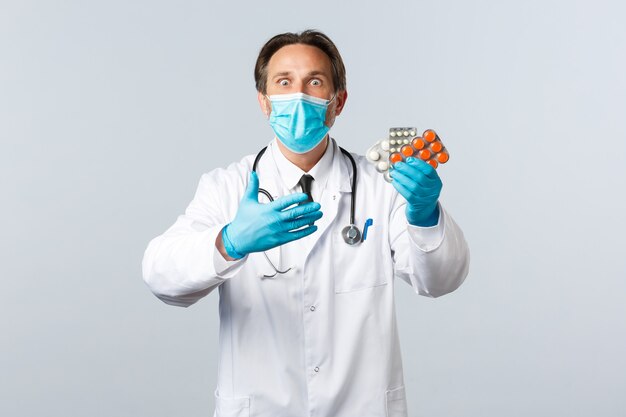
[(304, 69)]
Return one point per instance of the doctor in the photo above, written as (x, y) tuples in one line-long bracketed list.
[(307, 321)]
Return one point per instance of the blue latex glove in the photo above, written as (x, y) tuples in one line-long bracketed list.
[(258, 227), (420, 185)]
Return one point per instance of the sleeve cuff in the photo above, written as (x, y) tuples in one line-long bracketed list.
[(427, 239), (223, 268)]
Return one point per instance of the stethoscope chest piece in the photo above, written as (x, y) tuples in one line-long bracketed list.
[(351, 234)]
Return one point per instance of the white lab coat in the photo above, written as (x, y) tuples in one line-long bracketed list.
[(320, 340)]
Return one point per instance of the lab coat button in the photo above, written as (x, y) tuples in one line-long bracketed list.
[(312, 308), (317, 369)]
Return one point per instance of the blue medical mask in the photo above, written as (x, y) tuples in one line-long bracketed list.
[(298, 120)]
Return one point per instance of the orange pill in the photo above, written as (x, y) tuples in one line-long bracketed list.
[(407, 150), (436, 146), (424, 154), (418, 143), (443, 157), (429, 135), (433, 163), (395, 157)]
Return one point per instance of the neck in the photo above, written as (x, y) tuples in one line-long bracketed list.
[(305, 161)]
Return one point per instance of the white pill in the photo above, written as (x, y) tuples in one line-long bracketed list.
[(412, 133), (392, 134), (374, 156), (385, 145), (392, 150), (406, 133), (392, 142), (406, 141), (382, 166)]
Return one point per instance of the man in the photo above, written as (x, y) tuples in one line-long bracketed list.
[(307, 321)]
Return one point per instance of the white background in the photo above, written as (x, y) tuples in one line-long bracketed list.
[(111, 110)]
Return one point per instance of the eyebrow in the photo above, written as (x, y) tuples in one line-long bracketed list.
[(317, 73), (281, 74), (310, 74)]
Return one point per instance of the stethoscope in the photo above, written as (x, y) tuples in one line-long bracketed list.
[(351, 234)]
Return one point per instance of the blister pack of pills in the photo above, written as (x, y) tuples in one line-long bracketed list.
[(402, 143)]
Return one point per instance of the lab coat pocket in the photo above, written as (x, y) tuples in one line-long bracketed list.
[(360, 266), (232, 406), (396, 403)]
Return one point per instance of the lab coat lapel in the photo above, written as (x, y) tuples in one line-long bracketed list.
[(337, 188)]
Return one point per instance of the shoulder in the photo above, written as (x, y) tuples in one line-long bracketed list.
[(220, 190), (230, 178), (367, 174)]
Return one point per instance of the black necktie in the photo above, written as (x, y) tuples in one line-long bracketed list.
[(305, 183)]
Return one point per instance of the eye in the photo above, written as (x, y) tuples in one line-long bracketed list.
[(283, 82), (316, 82)]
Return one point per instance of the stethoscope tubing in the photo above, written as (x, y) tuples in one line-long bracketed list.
[(352, 184), (351, 233)]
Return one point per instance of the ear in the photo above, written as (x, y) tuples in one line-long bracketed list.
[(266, 106), (341, 98)]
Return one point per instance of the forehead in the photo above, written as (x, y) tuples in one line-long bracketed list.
[(299, 58)]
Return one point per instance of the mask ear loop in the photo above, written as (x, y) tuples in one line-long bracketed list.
[(268, 101), (329, 103)]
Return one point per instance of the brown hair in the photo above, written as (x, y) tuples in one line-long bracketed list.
[(308, 37)]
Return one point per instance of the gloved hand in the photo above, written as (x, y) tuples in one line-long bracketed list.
[(420, 185), (258, 227)]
